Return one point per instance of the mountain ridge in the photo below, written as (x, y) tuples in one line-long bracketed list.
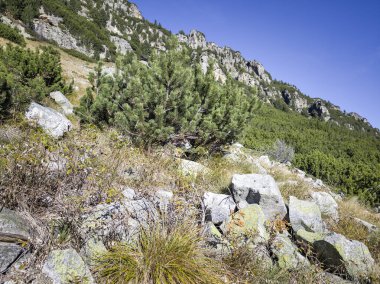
[(122, 28)]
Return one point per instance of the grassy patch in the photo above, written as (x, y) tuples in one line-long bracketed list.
[(163, 254)]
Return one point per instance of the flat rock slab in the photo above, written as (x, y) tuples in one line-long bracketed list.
[(262, 190), (12, 223), (8, 254), (327, 204)]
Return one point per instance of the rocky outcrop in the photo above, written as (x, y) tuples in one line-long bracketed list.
[(218, 207), (261, 190), (53, 122), (47, 27), (66, 266), (196, 40), (63, 102), (122, 46), (318, 109), (358, 117), (295, 101), (304, 215)]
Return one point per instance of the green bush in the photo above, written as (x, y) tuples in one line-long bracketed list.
[(349, 160), (11, 34), (27, 75), (168, 101)]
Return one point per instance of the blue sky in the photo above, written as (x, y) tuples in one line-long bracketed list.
[(327, 48)]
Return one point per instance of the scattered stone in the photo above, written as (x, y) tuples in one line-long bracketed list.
[(287, 254), (218, 207), (305, 215), (142, 210), (370, 227), (326, 203), (247, 224), (261, 190), (66, 266), (65, 104), (53, 122)]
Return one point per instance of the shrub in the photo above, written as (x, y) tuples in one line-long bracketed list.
[(168, 102), (281, 152), (163, 254), (11, 34), (27, 75)]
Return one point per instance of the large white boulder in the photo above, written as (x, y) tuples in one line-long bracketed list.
[(305, 215), (64, 103), (53, 122), (262, 190), (218, 207)]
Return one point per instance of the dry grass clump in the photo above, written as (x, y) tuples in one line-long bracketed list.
[(299, 189), (164, 253)]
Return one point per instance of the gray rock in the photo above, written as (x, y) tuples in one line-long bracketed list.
[(103, 221), (196, 40), (247, 225), (218, 207), (65, 104), (92, 249), (129, 193), (287, 254), (305, 215), (8, 254), (318, 108), (327, 204), (13, 224), (66, 266), (346, 256), (261, 190), (141, 210), (121, 44), (162, 199), (53, 122)]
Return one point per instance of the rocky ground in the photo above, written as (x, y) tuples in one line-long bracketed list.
[(69, 200)]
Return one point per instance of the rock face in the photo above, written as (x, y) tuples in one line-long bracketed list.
[(261, 190), (287, 253), (218, 207), (304, 215), (295, 101), (248, 225), (122, 46), (66, 266), (65, 104), (53, 122), (196, 40), (318, 109), (47, 27), (327, 204), (339, 253)]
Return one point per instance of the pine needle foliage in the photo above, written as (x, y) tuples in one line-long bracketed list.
[(163, 254), (168, 100)]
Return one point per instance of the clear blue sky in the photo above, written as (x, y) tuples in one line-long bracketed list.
[(327, 48)]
